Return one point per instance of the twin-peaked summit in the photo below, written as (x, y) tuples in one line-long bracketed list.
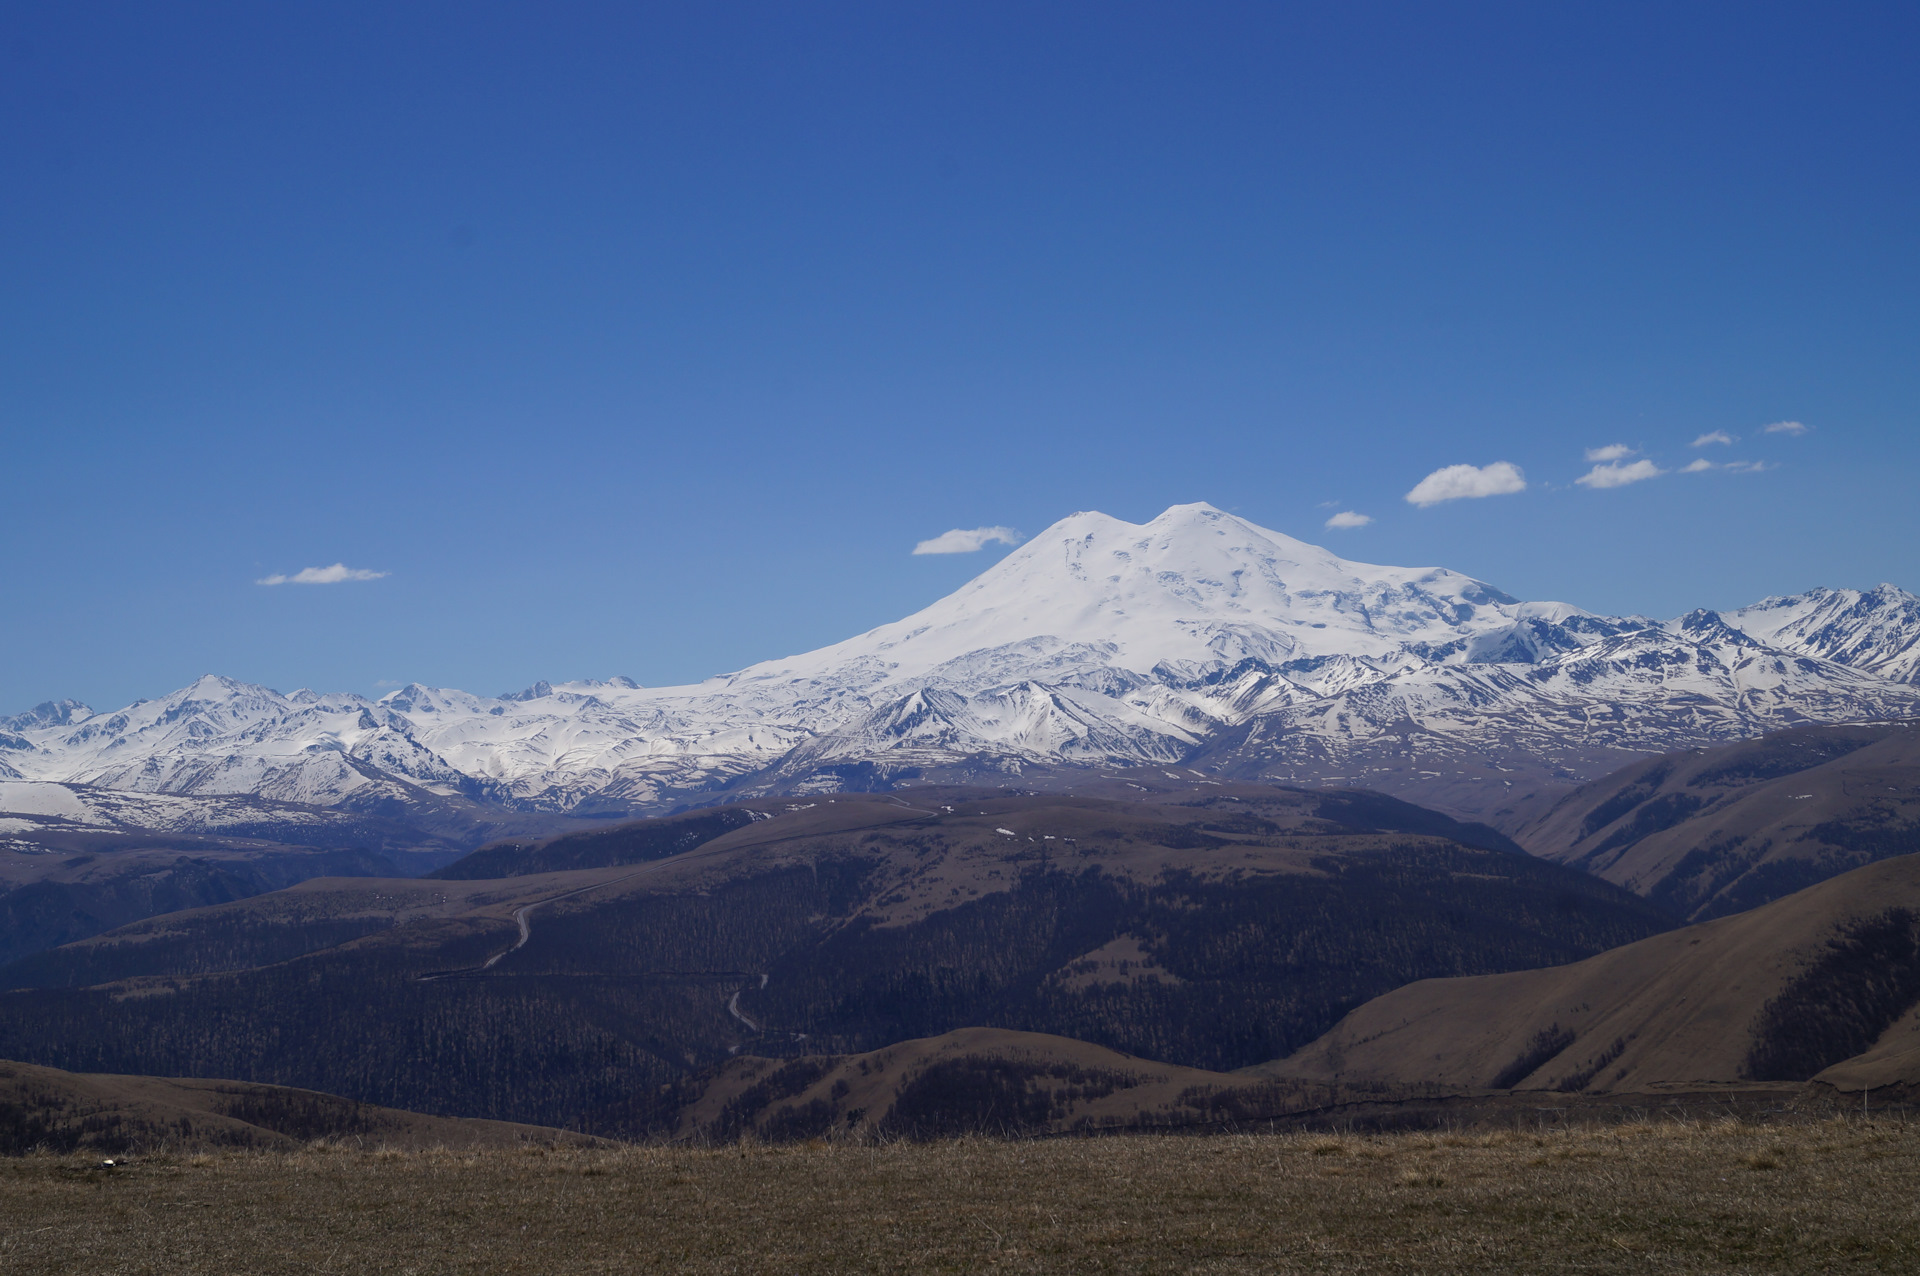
[(1194, 587), (1197, 639)]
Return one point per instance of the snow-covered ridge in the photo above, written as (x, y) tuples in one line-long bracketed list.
[(1098, 642), (1877, 630)]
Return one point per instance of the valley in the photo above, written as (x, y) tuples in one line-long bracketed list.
[(959, 638), (1259, 916), (1709, 832), (1175, 826)]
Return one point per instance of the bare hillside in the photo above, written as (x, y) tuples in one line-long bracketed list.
[(1213, 930), (1788, 992), (1709, 832), (50, 1110)]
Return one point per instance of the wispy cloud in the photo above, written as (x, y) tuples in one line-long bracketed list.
[(965, 540), (1619, 475), (1793, 428), (1702, 464), (1611, 452), (333, 575), (1714, 436), (1348, 518), (1464, 482)]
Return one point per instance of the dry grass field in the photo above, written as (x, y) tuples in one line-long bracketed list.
[(1841, 1195)]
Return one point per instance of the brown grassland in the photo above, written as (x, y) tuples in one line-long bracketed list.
[(1717, 1196)]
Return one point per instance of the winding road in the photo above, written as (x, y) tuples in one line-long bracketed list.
[(733, 1005), (523, 918)]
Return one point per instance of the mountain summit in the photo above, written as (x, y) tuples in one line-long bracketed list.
[(1194, 587), (1197, 639)]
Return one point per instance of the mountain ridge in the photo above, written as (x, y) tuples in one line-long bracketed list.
[(1197, 638)]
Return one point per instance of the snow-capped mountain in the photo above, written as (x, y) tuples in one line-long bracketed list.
[(1196, 638), (37, 806), (219, 736), (1877, 630)]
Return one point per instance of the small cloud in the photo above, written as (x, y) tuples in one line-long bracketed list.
[(1752, 467), (1327, 505), (1619, 475), (1461, 482), (965, 540), (1696, 466), (1793, 428), (1714, 436), (321, 576), (1611, 452), (1347, 518)]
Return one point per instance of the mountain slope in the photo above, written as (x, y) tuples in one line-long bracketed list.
[(1210, 931), (1877, 630), (1787, 992), (49, 1110), (78, 859), (1197, 638), (974, 1081), (1713, 831)]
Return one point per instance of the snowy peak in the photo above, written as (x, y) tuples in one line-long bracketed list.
[(222, 736), (48, 713), (1710, 628), (1098, 642), (1190, 590), (1877, 630)]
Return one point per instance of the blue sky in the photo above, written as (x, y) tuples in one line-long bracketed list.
[(651, 339)]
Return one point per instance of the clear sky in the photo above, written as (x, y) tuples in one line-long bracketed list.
[(650, 339)]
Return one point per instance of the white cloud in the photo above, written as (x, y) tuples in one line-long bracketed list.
[(1611, 452), (965, 540), (321, 576), (1619, 475), (1702, 464), (1714, 436), (1786, 427), (1347, 518), (1457, 482)]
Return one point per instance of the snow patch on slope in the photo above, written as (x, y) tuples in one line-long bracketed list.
[(1099, 642)]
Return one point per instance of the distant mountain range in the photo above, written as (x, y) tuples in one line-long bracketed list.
[(1197, 641)]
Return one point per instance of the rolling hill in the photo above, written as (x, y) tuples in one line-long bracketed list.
[(48, 1110), (1820, 985), (79, 859), (1211, 930), (1709, 832), (979, 1081)]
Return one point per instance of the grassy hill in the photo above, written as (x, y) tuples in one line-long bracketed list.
[(1710, 832), (1821, 985), (1209, 932), (49, 1110)]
